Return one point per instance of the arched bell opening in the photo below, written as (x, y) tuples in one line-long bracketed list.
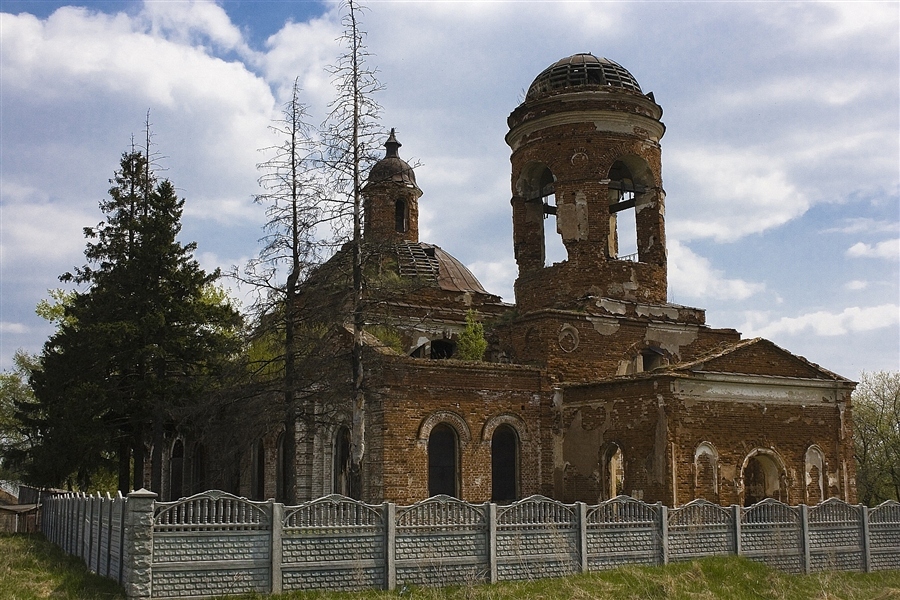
[(630, 191), (537, 186)]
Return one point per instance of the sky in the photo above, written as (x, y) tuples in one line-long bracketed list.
[(781, 157)]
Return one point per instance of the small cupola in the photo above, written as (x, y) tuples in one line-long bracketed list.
[(391, 198)]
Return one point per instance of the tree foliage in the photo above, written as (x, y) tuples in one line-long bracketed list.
[(143, 340), (472, 344), (876, 421)]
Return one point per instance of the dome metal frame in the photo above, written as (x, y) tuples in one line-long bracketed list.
[(581, 71)]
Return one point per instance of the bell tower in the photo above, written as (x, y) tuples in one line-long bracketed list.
[(586, 157), (391, 198)]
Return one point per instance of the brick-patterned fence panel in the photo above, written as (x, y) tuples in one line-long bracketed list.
[(212, 543), (442, 541), (835, 537), (771, 533), (216, 544), (537, 537), (884, 536), (701, 528), (623, 531), (333, 543)]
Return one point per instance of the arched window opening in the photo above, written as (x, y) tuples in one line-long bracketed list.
[(198, 467), (612, 472), (280, 466), (341, 462), (651, 358), (622, 218), (706, 467), (401, 216), (504, 465), (554, 249), (443, 473), (176, 471), (441, 349), (763, 478), (258, 471), (815, 480)]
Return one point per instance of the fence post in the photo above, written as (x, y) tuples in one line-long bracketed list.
[(736, 516), (663, 532), (390, 545), (866, 548), (491, 511), (804, 536), (138, 546), (582, 536), (84, 522), (277, 554)]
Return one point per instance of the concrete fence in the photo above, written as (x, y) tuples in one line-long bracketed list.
[(215, 543)]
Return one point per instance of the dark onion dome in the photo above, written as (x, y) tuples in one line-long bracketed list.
[(581, 71), (392, 168)]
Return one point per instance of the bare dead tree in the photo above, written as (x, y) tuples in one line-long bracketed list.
[(292, 196), (351, 137)]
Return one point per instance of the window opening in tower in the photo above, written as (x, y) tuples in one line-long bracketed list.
[(622, 214)]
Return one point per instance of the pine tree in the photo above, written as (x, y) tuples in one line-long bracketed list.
[(142, 342)]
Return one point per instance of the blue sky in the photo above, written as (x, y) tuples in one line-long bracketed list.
[(780, 159)]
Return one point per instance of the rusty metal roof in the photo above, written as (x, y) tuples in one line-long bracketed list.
[(431, 263)]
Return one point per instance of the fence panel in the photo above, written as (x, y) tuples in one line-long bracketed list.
[(333, 543), (442, 541), (835, 536), (771, 534), (623, 531), (700, 528), (884, 536), (211, 544), (537, 537)]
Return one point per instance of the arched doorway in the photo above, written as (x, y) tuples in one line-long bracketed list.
[(341, 462), (504, 464), (443, 474), (764, 477), (612, 471), (176, 471)]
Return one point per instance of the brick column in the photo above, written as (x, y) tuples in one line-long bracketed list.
[(138, 547)]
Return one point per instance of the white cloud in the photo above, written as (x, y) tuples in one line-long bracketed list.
[(863, 225), (7, 327), (889, 249), (824, 323), (692, 276), (735, 193), (195, 23), (496, 277), (855, 285)]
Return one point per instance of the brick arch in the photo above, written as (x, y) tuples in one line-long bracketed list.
[(444, 416), (814, 475), (706, 471), (784, 483), (487, 432)]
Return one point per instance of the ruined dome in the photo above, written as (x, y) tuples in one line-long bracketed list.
[(581, 71), (392, 168), (431, 263)]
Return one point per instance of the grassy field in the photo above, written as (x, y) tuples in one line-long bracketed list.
[(31, 568)]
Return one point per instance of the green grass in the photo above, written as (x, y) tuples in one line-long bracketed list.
[(31, 567)]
